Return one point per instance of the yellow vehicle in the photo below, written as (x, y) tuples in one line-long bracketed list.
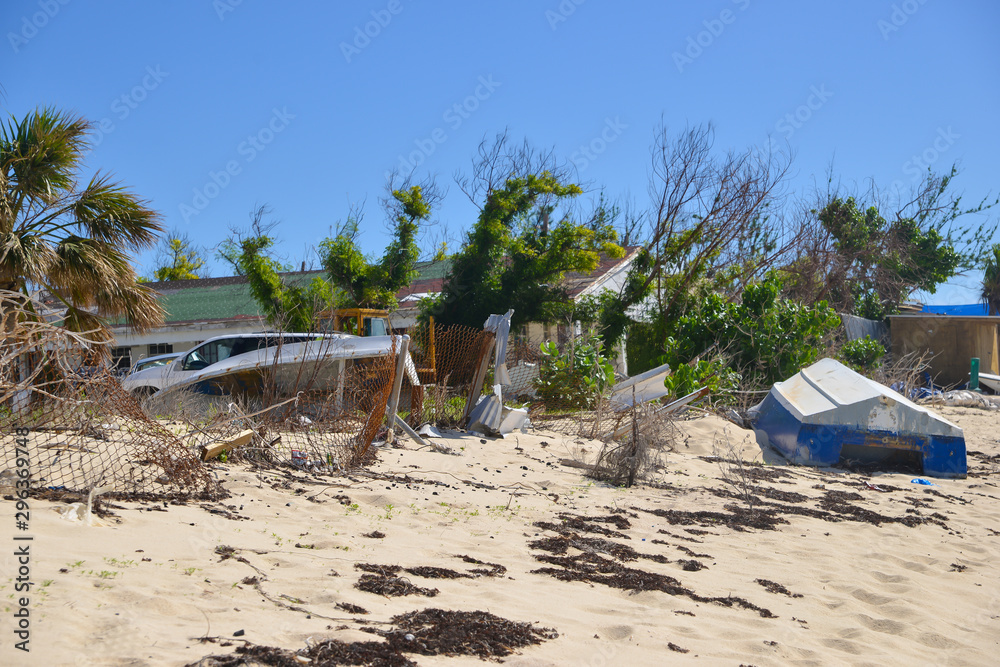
[(360, 321)]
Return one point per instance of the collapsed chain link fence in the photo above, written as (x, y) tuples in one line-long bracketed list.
[(65, 425), (316, 405), (448, 359)]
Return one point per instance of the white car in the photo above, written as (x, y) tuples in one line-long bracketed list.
[(227, 359), (152, 362)]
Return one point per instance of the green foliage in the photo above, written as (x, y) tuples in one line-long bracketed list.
[(881, 262), (766, 338), (515, 258), (574, 378), (67, 233), (367, 285), (991, 281), (874, 264), (714, 374), (288, 306), (178, 258), (862, 353)]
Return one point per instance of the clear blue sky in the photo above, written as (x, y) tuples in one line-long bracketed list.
[(308, 113)]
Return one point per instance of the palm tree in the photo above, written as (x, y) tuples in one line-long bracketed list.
[(75, 243), (991, 282)]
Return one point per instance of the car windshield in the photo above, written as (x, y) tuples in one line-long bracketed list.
[(219, 350), (209, 353), (153, 363)]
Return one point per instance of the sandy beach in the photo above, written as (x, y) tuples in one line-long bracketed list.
[(827, 567)]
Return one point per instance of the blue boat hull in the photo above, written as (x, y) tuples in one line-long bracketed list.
[(823, 444)]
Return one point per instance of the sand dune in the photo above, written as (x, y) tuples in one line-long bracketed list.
[(843, 573)]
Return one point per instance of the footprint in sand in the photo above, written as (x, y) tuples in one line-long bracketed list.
[(934, 640), (882, 625), (616, 632), (868, 597), (916, 567), (844, 646), (888, 578)]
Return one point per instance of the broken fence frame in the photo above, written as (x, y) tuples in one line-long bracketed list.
[(660, 411)]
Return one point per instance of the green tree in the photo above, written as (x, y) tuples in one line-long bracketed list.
[(866, 264), (287, 305), (710, 230), (991, 280), (74, 242), (178, 258), (374, 285), (514, 257)]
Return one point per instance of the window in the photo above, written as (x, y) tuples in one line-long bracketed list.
[(160, 348), (121, 358), (209, 353), (375, 326)]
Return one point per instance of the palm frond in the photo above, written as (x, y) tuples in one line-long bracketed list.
[(93, 274), (109, 213), (24, 257), (40, 155), (991, 282)]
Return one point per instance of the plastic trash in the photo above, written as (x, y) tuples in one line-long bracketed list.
[(918, 480)]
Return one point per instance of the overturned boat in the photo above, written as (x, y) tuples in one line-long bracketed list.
[(827, 412)]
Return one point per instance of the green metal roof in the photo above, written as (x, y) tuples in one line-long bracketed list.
[(229, 298)]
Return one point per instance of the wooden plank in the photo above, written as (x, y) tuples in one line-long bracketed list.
[(241, 439)]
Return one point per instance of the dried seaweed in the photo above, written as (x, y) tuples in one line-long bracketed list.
[(496, 570), (391, 586), (436, 573), (777, 588), (351, 608), (479, 633)]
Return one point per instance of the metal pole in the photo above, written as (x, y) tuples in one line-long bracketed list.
[(974, 375), (486, 352), (397, 384)]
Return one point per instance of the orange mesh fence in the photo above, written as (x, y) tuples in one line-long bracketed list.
[(447, 360)]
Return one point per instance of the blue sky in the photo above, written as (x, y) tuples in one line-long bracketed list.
[(208, 108)]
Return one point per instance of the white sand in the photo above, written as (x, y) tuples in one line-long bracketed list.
[(142, 589)]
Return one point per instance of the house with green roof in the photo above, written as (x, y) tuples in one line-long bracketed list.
[(198, 309)]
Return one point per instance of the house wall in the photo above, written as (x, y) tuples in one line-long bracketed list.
[(953, 341)]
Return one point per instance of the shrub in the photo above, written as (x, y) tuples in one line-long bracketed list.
[(766, 337), (713, 374), (863, 353), (575, 377)]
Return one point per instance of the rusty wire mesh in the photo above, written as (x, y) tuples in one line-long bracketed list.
[(319, 409), (71, 426), (447, 360)]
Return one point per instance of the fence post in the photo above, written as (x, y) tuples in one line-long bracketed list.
[(397, 384)]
